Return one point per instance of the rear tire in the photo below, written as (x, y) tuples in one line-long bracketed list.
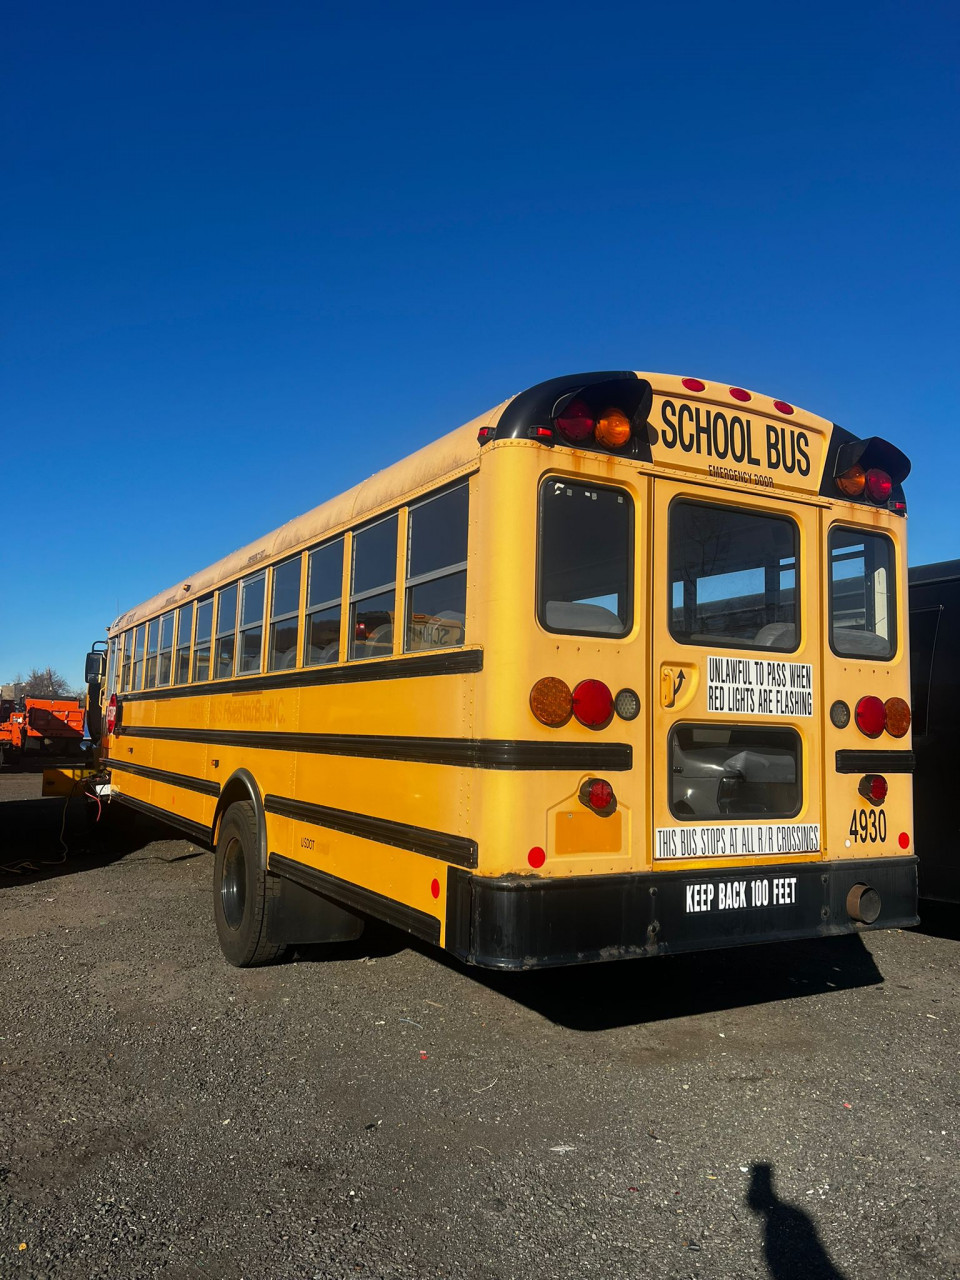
[(244, 896)]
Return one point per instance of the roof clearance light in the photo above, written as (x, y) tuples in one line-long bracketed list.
[(852, 482), (613, 429), (781, 406), (576, 422), (593, 704), (870, 717), (897, 716), (551, 702), (738, 393), (694, 384), (878, 485)]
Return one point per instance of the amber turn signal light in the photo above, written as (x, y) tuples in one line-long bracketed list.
[(551, 701), (897, 715)]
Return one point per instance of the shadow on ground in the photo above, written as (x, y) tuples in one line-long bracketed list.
[(791, 1243), (623, 993), (41, 839), (939, 919)]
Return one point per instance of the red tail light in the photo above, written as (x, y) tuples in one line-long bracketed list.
[(576, 421), (878, 486), (110, 719), (870, 717), (874, 788), (593, 704)]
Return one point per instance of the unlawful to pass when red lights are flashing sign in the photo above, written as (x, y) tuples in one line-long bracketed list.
[(759, 687)]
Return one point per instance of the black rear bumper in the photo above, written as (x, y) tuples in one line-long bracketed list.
[(529, 922)]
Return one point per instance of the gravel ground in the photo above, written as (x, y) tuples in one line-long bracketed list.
[(374, 1110)]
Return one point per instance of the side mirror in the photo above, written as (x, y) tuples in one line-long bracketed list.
[(95, 668)]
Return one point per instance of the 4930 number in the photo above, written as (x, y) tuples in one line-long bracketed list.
[(868, 826)]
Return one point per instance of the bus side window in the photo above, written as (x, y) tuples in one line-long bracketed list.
[(125, 655), (284, 615), (251, 623), (321, 641), (181, 673), (137, 656), (226, 633), (164, 658), (201, 646), (374, 590), (437, 572)]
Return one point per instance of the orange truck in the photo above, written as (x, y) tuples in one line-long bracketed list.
[(40, 727)]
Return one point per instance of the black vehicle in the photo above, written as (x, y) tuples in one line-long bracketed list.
[(935, 699)]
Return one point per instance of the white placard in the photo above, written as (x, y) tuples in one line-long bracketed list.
[(759, 687), (736, 840)]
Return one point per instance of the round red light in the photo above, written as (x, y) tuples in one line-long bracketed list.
[(694, 384), (878, 486), (904, 840), (435, 888), (738, 393), (781, 406), (870, 717), (600, 795), (878, 788), (593, 704), (576, 422), (536, 857)]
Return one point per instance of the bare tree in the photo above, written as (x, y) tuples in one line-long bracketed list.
[(46, 684)]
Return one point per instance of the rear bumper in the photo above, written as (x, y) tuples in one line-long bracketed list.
[(528, 922)]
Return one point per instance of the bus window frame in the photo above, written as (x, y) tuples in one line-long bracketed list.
[(865, 531), (179, 646), (711, 641), (617, 637), (242, 630), (410, 583), (737, 818), (310, 609), (271, 619), (397, 584)]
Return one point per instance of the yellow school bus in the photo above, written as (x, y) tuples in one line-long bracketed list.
[(617, 669)]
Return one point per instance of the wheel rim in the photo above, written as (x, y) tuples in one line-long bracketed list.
[(233, 884)]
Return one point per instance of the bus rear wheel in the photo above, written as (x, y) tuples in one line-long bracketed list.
[(245, 898)]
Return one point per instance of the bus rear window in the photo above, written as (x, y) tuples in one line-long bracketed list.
[(744, 771), (733, 577), (585, 562), (862, 594)]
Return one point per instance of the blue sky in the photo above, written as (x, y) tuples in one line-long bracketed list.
[(254, 252)]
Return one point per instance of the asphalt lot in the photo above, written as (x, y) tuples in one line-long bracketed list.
[(786, 1111)]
